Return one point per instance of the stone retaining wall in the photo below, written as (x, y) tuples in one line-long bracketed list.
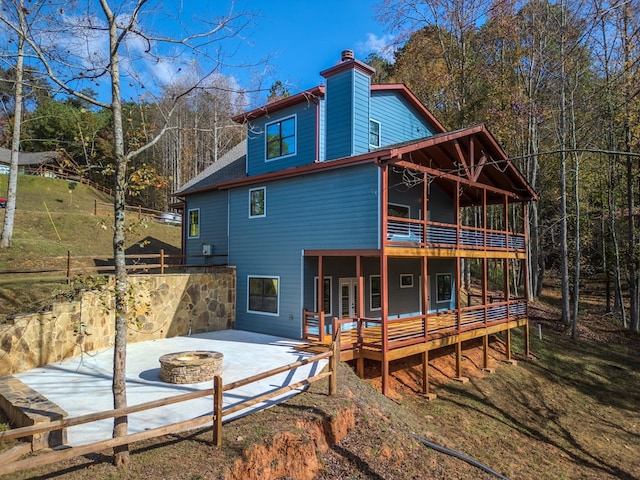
[(160, 306)]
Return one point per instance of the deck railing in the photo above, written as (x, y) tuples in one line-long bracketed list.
[(404, 231), (367, 332)]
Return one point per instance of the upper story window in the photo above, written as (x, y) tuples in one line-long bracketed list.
[(257, 202), (281, 138), (194, 223), (374, 133)]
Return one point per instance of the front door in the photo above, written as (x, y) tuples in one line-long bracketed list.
[(348, 297)]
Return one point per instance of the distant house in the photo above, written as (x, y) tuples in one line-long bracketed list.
[(350, 201), (27, 161)]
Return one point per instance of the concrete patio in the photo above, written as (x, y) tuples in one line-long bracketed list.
[(82, 385)]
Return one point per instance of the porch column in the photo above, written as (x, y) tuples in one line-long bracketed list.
[(359, 313), (320, 298), (384, 290), (425, 325)]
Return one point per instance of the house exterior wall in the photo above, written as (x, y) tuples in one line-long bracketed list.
[(213, 226), (399, 121), (306, 122), (336, 209)]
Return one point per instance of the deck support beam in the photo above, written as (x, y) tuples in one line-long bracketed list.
[(459, 377)]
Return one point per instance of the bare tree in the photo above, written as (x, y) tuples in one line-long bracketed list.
[(107, 37), (9, 216)]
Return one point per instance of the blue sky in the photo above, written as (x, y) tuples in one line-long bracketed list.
[(300, 38), (304, 38)]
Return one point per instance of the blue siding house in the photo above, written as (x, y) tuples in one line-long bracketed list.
[(350, 207)]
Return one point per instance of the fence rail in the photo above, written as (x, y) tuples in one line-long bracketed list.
[(71, 265), (215, 418)]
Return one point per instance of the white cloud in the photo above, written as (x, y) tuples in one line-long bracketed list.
[(383, 46)]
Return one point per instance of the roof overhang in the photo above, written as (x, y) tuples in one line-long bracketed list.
[(470, 157), (310, 95)]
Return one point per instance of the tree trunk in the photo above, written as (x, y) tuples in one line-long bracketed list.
[(120, 424), (10, 212)]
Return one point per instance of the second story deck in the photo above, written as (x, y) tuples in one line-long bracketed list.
[(404, 232)]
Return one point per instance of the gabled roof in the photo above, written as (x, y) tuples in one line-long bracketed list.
[(231, 166), (27, 158), (471, 155)]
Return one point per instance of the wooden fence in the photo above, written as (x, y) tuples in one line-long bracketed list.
[(71, 265), (9, 465)]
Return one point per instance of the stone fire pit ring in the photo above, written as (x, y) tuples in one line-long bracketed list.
[(190, 367)]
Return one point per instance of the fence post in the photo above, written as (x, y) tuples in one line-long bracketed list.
[(161, 261), (68, 267), (95, 207), (335, 357), (217, 411)]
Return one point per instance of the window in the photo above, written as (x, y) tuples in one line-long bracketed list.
[(374, 133), (397, 210), (443, 286), (406, 280), (375, 293), (281, 138), (327, 294), (263, 295), (257, 200), (194, 223)]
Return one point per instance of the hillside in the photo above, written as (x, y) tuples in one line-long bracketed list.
[(569, 413), (51, 220)]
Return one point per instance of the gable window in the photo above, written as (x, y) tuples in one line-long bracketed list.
[(281, 138), (375, 293), (194, 223), (443, 286), (263, 294), (257, 202), (374, 133), (327, 294)]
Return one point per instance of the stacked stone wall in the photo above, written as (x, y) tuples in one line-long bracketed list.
[(160, 306)]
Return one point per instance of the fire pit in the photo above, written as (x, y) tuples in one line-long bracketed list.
[(190, 367)]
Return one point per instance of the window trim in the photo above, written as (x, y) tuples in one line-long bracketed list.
[(315, 293), (189, 223), (259, 312), (264, 207), (295, 138), (438, 277), (406, 280), (379, 133), (371, 308), (402, 205)]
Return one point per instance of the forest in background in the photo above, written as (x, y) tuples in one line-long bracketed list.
[(557, 83)]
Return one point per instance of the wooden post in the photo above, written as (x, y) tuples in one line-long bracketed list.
[(139, 212), (335, 357), (95, 207), (458, 359), (527, 346), (508, 343), (68, 267), (217, 411), (384, 280), (320, 296), (162, 261), (485, 351), (425, 377)]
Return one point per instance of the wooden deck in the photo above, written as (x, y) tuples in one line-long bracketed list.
[(363, 337)]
